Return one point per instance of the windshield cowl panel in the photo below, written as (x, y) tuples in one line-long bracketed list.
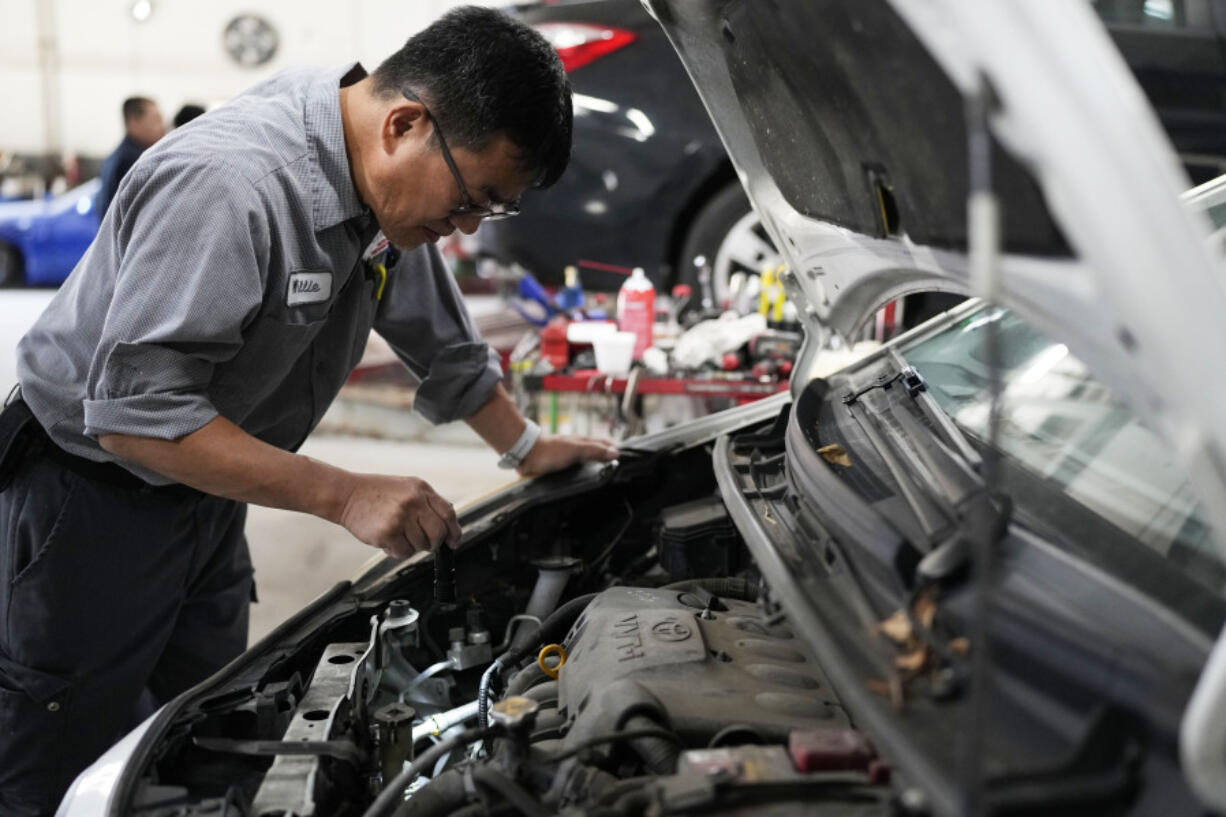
[(1095, 629)]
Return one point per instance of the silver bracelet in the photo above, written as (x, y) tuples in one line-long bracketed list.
[(517, 452)]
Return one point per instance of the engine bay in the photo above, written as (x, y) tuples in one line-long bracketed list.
[(613, 652)]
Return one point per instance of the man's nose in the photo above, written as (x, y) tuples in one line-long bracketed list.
[(465, 224)]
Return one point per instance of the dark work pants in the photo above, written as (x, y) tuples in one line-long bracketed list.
[(106, 593)]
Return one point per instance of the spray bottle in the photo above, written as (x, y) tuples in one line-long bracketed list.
[(636, 309)]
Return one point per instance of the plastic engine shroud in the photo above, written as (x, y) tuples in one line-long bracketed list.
[(654, 651)]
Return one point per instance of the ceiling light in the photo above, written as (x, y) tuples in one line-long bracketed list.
[(141, 10)]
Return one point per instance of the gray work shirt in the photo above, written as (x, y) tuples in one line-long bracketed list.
[(227, 279)]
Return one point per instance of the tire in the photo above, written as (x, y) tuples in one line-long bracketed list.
[(11, 268), (728, 233)]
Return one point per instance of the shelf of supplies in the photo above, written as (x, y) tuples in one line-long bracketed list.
[(593, 382)]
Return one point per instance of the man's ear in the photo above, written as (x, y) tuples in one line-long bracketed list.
[(406, 120)]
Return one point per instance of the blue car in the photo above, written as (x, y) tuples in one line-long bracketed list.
[(41, 241)]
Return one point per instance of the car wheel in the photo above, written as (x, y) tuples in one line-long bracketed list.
[(11, 272), (728, 233)]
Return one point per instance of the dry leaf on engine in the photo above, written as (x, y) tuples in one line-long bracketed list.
[(835, 455), (889, 690), (960, 646), (913, 661), (926, 610), (878, 687), (897, 628)]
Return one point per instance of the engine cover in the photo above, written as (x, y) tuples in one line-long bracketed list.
[(637, 649)]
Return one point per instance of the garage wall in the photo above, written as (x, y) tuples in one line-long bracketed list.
[(175, 56)]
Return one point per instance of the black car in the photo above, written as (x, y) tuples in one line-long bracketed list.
[(649, 182), (651, 186)]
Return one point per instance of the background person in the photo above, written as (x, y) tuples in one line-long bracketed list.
[(143, 126), (187, 113)]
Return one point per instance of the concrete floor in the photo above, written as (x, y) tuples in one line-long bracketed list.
[(296, 556)]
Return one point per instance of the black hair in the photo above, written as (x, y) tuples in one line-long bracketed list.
[(134, 107), (481, 73), (186, 114)]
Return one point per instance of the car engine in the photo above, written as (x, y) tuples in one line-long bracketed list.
[(598, 673)]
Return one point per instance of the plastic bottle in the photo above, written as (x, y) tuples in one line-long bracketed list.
[(636, 309), (570, 299)]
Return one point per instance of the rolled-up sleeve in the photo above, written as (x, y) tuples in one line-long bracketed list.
[(192, 243), (423, 318)]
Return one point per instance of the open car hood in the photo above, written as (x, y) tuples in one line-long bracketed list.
[(847, 124)]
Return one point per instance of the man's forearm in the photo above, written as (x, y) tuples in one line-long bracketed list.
[(498, 421), (224, 460)]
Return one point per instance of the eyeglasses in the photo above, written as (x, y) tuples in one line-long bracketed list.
[(467, 209)]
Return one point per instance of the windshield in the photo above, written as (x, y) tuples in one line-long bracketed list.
[(1074, 434)]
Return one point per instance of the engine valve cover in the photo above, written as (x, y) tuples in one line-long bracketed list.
[(705, 672)]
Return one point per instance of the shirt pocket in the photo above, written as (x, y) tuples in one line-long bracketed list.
[(276, 348)]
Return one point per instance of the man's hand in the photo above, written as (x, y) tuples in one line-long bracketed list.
[(553, 453), (500, 424), (401, 515)]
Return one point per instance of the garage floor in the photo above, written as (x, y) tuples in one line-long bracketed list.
[(297, 556)]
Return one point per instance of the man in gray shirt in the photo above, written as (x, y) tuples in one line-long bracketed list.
[(226, 298)]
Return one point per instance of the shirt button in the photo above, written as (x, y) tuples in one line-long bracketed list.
[(54, 706)]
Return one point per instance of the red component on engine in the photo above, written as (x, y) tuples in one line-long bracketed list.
[(834, 750), (730, 362)]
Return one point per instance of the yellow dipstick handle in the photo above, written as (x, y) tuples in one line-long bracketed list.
[(548, 652)]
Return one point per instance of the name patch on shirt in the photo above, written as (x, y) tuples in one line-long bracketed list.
[(309, 288)]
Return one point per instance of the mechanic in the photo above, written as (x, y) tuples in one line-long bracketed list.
[(227, 296), (187, 113), (142, 126)]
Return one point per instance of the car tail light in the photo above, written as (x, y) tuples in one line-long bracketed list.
[(580, 43)]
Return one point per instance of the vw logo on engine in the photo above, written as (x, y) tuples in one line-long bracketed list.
[(670, 629)]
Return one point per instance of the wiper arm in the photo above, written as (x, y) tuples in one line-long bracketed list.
[(901, 463), (914, 383), (950, 463)]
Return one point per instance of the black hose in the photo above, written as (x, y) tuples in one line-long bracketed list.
[(392, 793), (659, 754), (525, 679), (552, 629), (729, 588), (613, 737), (438, 798), (524, 801)]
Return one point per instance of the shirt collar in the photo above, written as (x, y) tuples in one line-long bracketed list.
[(334, 196)]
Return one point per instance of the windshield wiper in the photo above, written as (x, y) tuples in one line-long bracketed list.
[(951, 485), (932, 515)]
